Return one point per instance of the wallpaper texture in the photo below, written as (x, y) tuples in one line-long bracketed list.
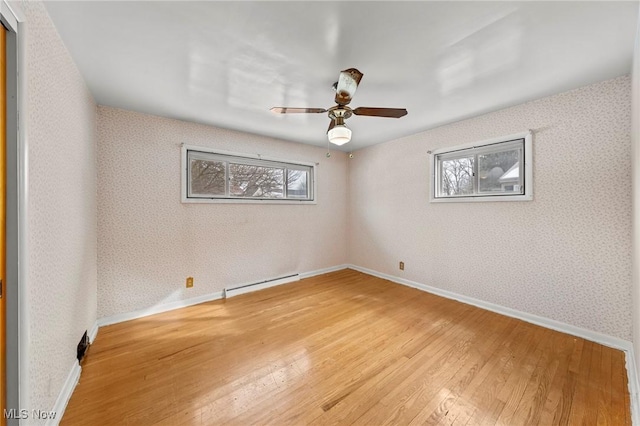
[(62, 280), (149, 242), (635, 140), (564, 256)]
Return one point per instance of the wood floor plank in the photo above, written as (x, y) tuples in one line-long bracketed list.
[(343, 381), (365, 397), (468, 380), (580, 399), (344, 348), (531, 404), (429, 378), (435, 349), (514, 388), (593, 387), (556, 406), (618, 384), (464, 410), (604, 378), (513, 349)]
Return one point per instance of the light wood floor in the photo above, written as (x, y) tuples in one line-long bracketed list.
[(345, 348)]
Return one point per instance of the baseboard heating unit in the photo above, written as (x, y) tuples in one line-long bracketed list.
[(247, 288)]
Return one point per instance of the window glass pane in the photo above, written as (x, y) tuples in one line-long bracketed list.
[(207, 177), (456, 176), (217, 175), (255, 181), (490, 171), (499, 172), (297, 184)]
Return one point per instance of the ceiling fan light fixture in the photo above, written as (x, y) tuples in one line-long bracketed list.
[(348, 87), (339, 135)]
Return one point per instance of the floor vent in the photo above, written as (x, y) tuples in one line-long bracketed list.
[(247, 288), (83, 346)]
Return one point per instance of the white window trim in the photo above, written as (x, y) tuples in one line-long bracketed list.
[(528, 171), (184, 178)]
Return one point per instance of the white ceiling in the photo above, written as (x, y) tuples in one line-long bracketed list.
[(226, 63)]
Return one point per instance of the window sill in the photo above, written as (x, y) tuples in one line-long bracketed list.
[(239, 201), (481, 199)]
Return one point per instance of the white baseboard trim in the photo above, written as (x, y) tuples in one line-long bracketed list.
[(323, 271), (65, 394), (594, 336), (251, 287), (93, 332), (74, 374), (128, 316), (165, 307), (634, 388)]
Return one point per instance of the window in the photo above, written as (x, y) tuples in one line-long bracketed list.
[(216, 176), (494, 170)]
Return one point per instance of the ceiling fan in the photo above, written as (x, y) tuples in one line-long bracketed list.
[(338, 132)]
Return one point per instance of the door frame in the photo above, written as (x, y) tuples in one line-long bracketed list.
[(17, 331)]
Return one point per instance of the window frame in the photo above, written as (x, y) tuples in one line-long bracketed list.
[(248, 159), (482, 147)]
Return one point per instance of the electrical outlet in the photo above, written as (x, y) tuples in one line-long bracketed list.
[(402, 266), (189, 282)]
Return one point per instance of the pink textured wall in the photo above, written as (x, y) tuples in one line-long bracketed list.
[(636, 198), (564, 256), (149, 242), (62, 274)]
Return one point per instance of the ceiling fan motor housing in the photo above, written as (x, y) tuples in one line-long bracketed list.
[(339, 112)]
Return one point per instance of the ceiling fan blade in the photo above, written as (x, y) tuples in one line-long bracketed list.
[(287, 110), (347, 85), (381, 112)]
